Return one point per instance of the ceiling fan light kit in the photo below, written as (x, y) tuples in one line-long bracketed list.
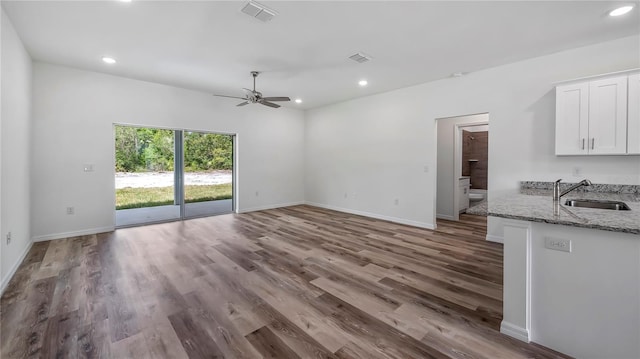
[(253, 96)]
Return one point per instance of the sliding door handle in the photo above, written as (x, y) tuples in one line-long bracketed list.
[(583, 143), (593, 143)]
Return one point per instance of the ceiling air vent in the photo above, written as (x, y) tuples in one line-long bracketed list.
[(259, 11), (360, 57)]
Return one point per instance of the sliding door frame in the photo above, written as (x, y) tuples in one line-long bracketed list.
[(178, 175), (178, 160), (233, 172)]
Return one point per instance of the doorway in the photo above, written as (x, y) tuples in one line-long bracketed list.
[(474, 166), (462, 168), (171, 174)]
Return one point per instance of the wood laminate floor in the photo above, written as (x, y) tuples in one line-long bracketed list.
[(296, 282)]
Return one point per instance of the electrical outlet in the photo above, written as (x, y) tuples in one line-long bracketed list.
[(346, 195), (426, 169), (257, 193), (88, 167), (558, 244), (70, 210), (576, 172), (8, 238), (396, 202)]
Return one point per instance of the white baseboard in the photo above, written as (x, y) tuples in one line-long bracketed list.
[(445, 216), (84, 232), (497, 239), (269, 206), (515, 331), (374, 215), (14, 268)]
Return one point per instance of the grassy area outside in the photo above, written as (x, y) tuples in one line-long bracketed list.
[(129, 197)]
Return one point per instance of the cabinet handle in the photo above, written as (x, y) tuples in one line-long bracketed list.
[(583, 143), (593, 143)]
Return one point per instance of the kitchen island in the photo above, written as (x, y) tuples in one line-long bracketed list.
[(572, 275)]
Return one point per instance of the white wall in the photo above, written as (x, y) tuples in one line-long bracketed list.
[(73, 116), (15, 142), (447, 182), (377, 146)]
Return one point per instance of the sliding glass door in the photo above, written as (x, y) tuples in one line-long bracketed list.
[(145, 177), (163, 175), (208, 174)]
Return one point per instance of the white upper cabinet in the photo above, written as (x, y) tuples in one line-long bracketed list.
[(572, 119), (608, 116), (592, 118), (633, 125)]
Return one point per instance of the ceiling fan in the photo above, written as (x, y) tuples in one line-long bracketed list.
[(253, 96)]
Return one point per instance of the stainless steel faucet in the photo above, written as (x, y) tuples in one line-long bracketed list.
[(556, 188)]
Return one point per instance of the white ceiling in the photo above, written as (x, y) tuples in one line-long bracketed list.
[(303, 52)]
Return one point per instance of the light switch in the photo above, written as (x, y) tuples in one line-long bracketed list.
[(88, 167)]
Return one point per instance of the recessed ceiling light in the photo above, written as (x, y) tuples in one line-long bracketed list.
[(363, 83), (108, 60), (298, 100), (457, 74), (124, 0), (621, 10)]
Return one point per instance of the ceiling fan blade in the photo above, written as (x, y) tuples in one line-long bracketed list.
[(270, 104), (242, 98), (276, 98), (243, 103)]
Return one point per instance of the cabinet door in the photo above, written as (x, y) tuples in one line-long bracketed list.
[(608, 116), (572, 119), (633, 126), (463, 203)]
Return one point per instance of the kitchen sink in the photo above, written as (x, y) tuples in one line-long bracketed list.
[(592, 203)]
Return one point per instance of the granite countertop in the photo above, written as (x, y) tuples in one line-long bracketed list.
[(535, 203)]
